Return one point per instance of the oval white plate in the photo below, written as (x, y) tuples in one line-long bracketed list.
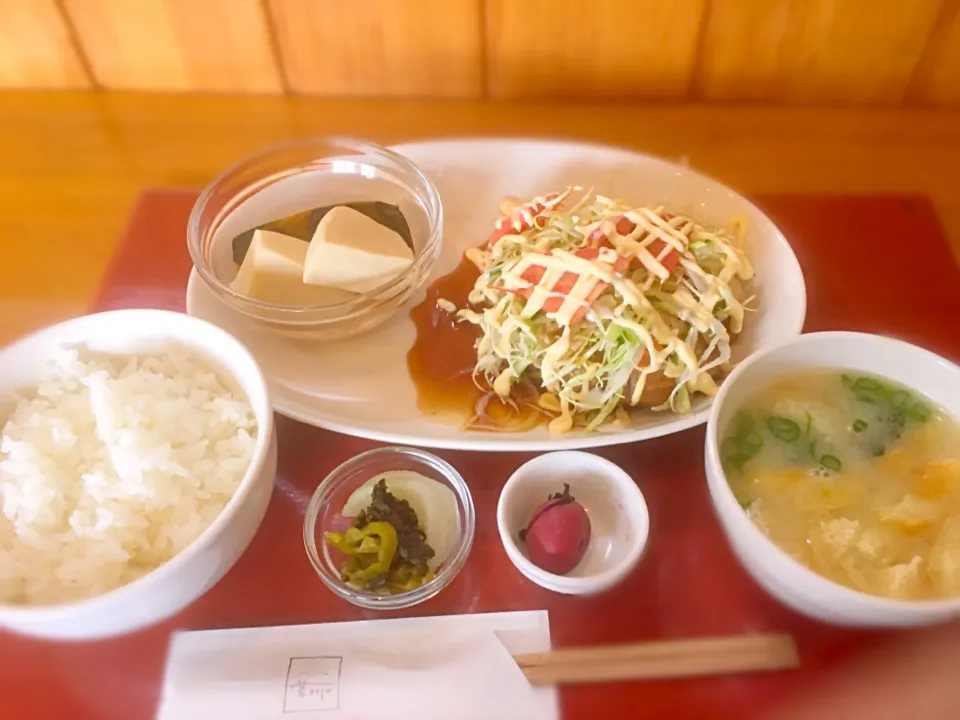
[(361, 386)]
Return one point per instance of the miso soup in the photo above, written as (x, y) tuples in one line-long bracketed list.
[(854, 476)]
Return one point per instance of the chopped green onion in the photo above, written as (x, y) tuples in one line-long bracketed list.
[(745, 424), (899, 399), (919, 411), (867, 390), (809, 427), (859, 425), (736, 462), (729, 449), (783, 429), (831, 462), (847, 380), (752, 442), (745, 504)]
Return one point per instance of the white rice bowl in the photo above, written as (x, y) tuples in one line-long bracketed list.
[(137, 460), (112, 467)]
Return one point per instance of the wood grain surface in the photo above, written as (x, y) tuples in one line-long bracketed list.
[(604, 48), (213, 45), (73, 163), (813, 51), (381, 47), (790, 52), (937, 80), (37, 49)]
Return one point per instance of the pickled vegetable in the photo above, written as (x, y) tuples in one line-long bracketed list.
[(558, 533), (386, 507), (386, 546), (372, 549)]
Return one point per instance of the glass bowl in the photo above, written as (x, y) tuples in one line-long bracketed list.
[(304, 175), (331, 495)]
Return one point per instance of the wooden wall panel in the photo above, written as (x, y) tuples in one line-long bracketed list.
[(381, 47), (212, 45), (591, 48), (801, 52), (937, 80), (36, 50), (812, 51)]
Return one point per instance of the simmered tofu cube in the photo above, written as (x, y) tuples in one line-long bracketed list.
[(351, 251)]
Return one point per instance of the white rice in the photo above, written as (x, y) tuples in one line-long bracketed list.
[(111, 467)]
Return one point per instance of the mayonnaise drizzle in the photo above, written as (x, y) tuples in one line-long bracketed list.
[(515, 337)]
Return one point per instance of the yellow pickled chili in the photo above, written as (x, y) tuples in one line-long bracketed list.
[(406, 576), (386, 547), (371, 550)]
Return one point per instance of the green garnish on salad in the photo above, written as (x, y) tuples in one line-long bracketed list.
[(602, 305)]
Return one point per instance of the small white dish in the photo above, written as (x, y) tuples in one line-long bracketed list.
[(784, 578), (362, 386), (174, 585), (619, 521)]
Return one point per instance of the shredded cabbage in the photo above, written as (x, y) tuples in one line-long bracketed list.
[(595, 302)]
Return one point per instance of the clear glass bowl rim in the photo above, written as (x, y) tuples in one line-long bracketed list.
[(412, 597), (432, 206)]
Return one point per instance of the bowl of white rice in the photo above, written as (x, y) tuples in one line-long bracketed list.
[(137, 460)]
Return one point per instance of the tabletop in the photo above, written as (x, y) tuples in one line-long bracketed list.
[(59, 238), (72, 164), (688, 585)]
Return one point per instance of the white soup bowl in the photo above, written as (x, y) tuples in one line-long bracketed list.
[(784, 578)]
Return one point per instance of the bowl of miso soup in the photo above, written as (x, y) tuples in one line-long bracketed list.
[(833, 462)]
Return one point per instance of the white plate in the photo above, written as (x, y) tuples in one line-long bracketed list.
[(361, 387)]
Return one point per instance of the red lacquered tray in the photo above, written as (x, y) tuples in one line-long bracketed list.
[(852, 250)]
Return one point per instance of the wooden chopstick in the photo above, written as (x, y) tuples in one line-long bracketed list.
[(661, 660)]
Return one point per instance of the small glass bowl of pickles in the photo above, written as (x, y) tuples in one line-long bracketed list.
[(285, 192), (390, 528)]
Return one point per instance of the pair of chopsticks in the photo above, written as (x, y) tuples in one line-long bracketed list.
[(661, 660)]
